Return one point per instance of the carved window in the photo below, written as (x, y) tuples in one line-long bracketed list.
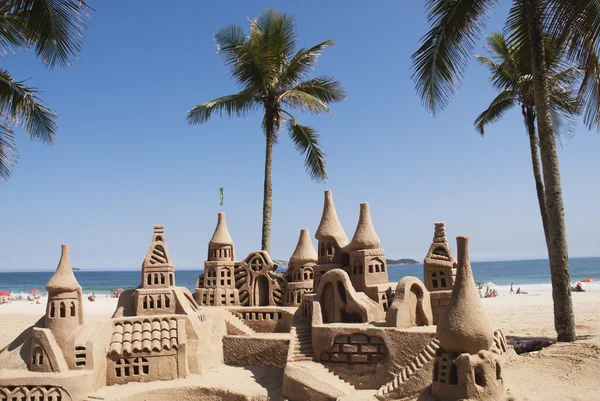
[(52, 309), (330, 251), (322, 249), (37, 357), (73, 313), (222, 273), (167, 301), (171, 279), (80, 356), (162, 278), (479, 375), (63, 310), (256, 264), (436, 371), (434, 280), (145, 302), (149, 279), (159, 302), (151, 302), (140, 366), (155, 278), (370, 268)]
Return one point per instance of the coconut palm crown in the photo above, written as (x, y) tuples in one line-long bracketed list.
[(275, 78), (447, 48), (511, 75)]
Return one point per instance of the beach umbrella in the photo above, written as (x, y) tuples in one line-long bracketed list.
[(34, 291), (587, 280), (4, 294)]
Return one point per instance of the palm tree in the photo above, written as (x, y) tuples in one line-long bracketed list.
[(511, 75), (56, 29), (272, 76), (445, 52)]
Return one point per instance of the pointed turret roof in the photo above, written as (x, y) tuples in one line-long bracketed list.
[(440, 248), (365, 236), (330, 226), (305, 251), (63, 279), (221, 235), (464, 326), (158, 254)]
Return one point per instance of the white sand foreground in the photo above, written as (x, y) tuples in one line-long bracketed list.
[(562, 372)]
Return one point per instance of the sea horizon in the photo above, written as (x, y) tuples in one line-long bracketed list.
[(531, 275), (131, 269)]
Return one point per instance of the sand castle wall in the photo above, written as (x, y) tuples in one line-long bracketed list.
[(365, 355), (269, 350)]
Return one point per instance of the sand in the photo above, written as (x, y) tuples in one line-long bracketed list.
[(561, 372)]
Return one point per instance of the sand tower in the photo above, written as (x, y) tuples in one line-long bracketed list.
[(64, 312), (300, 271), (216, 286), (465, 367), (367, 265), (439, 271), (155, 295), (331, 239)]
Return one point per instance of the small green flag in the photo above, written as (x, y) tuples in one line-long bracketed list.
[(221, 196)]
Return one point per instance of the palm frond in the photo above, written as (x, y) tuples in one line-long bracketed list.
[(516, 28), (324, 88), (500, 105), (303, 63), (12, 38), (238, 104), (8, 151), (306, 141), (446, 49), (21, 105), (279, 33), (56, 28), (300, 100)]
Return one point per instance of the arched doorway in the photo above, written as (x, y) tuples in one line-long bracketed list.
[(261, 291)]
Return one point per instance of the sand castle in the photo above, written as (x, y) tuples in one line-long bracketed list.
[(330, 327)]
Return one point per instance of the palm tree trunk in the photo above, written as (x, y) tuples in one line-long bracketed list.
[(268, 189), (529, 117), (564, 319)]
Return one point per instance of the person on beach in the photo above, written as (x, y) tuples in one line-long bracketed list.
[(479, 288), (511, 289), (92, 297)]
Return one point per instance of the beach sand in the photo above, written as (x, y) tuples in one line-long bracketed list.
[(561, 372)]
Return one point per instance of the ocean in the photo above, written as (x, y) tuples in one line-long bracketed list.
[(532, 276)]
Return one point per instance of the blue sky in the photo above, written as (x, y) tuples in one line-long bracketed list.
[(125, 158)]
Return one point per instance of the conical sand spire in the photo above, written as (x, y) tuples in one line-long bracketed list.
[(365, 236), (63, 279), (439, 235), (330, 226), (305, 251), (464, 326), (158, 254), (221, 235)]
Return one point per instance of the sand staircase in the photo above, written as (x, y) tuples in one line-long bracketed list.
[(303, 350), (235, 325), (425, 356)]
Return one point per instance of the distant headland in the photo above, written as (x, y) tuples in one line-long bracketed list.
[(401, 262)]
